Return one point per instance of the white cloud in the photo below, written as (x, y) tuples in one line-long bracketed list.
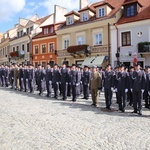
[(10, 7), (68, 4)]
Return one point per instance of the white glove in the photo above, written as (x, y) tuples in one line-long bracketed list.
[(142, 90), (112, 89), (126, 90), (131, 90), (57, 83), (149, 93), (103, 89), (77, 84), (21, 79), (26, 80), (50, 82), (67, 83), (116, 90)]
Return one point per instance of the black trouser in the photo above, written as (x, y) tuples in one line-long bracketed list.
[(49, 87), (2, 80), (74, 92), (56, 87), (147, 99), (40, 88), (121, 99), (31, 86), (69, 90), (6, 81), (78, 90), (117, 98), (21, 83), (86, 91), (137, 101), (130, 97), (25, 81), (12, 82), (64, 88), (108, 97)]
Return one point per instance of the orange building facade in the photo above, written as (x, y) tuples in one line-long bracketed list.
[(44, 46)]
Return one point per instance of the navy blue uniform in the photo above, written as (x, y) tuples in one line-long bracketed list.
[(108, 83), (48, 78), (137, 86), (86, 81), (55, 81)]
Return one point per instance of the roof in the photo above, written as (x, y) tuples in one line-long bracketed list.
[(71, 13), (115, 4), (87, 8), (41, 35), (127, 2), (102, 3), (41, 20), (143, 14)]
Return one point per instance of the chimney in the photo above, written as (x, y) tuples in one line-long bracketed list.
[(59, 13), (83, 3)]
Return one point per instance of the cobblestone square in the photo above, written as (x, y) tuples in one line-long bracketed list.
[(33, 122)]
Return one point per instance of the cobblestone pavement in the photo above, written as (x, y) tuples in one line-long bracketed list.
[(31, 122)]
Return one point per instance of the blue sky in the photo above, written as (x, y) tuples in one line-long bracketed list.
[(11, 10)]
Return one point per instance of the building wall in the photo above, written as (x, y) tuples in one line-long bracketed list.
[(134, 28), (44, 57)]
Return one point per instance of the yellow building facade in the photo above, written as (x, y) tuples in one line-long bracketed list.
[(89, 26)]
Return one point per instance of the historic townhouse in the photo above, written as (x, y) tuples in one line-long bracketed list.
[(84, 38), (5, 46), (44, 46), (20, 45), (131, 34)]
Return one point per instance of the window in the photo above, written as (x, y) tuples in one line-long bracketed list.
[(28, 30), (80, 40), (23, 47), (98, 39), (51, 47), (126, 38), (36, 49), (13, 49), (130, 11), (84, 16), (101, 12), (18, 34), (51, 29), (17, 48), (43, 48), (66, 43), (70, 20), (28, 47), (31, 28), (21, 33), (45, 30)]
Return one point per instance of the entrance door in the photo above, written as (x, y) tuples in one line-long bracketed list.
[(127, 64)]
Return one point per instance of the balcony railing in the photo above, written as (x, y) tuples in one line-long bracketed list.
[(99, 49), (144, 47)]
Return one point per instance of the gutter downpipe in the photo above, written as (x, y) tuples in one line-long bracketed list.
[(108, 43), (117, 44)]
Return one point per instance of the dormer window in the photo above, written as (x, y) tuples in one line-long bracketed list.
[(51, 29), (45, 30), (84, 16), (101, 12), (130, 10), (70, 20)]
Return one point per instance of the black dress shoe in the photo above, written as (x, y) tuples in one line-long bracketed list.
[(83, 98), (134, 111), (140, 112), (123, 110)]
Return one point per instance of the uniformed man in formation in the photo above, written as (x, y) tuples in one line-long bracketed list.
[(132, 85)]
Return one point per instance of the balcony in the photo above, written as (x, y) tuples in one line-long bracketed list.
[(144, 47)]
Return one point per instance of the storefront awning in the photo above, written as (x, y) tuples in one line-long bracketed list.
[(90, 61)]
